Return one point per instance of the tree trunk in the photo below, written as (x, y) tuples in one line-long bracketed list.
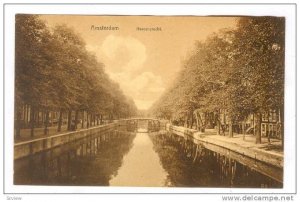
[(244, 131), (90, 120), (257, 128), (43, 117), (82, 119), (202, 122), (186, 121), (225, 124), (87, 120), (281, 112), (218, 123), (197, 121), (253, 122), (230, 128), (97, 120), (268, 133), (36, 117), (60, 120), (24, 113), (31, 121), (268, 128), (46, 123), (26, 116), (76, 119), (18, 121), (192, 120), (69, 120)]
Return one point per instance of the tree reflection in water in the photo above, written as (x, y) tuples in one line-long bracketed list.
[(190, 165), (97, 159), (90, 161)]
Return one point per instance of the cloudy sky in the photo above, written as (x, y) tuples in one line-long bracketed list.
[(144, 63)]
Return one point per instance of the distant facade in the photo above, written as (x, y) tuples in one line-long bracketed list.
[(271, 124)]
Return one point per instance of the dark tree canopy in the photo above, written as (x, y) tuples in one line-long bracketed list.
[(238, 71), (55, 72)]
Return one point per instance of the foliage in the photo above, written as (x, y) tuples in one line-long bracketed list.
[(54, 71), (238, 71)]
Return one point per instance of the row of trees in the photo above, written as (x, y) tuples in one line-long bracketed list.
[(55, 72), (237, 72)]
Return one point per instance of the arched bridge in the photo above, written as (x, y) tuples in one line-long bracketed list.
[(143, 124)]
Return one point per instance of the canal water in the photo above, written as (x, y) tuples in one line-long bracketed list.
[(136, 158)]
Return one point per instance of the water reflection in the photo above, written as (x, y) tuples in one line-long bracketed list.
[(124, 158), (189, 165), (141, 165), (91, 161)]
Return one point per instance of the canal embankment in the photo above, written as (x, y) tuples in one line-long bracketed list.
[(40, 143), (270, 154), (29, 147)]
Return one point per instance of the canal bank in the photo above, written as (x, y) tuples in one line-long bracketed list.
[(26, 148), (262, 152), (130, 154), (264, 157), (39, 144)]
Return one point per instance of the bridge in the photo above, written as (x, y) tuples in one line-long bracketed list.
[(143, 125)]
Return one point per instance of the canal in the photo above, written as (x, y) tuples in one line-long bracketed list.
[(129, 156)]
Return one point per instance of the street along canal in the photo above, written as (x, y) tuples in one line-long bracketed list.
[(126, 156)]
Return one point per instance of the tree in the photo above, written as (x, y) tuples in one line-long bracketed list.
[(31, 68), (55, 72), (259, 53), (239, 72)]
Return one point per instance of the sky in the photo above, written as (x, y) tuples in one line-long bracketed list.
[(144, 63)]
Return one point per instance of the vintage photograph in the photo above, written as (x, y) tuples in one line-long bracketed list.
[(149, 101)]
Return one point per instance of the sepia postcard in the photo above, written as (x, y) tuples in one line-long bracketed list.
[(151, 101)]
